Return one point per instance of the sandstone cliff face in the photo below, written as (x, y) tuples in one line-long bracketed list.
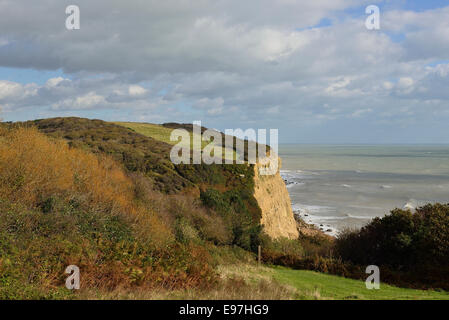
[(274, 201)]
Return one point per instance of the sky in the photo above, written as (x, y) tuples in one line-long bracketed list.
[(310, 69)]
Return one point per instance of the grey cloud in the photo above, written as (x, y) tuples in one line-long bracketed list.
[(228, 62)]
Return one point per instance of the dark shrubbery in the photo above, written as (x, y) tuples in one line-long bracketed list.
[(193, 221), (401, 239), (295, 253), (415, 244), (245, 231), (411, 249)]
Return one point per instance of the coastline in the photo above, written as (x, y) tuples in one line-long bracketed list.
[(311, 230), (307, 222), (345, 186)]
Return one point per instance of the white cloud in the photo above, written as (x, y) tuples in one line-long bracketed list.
[(213, 107), (426, 34), (230, 62), (12, 92), (53, 82), (10, 89), (360, 113), (387, 85), (88, 101), (136, 90), (405, 82), (273, 110)]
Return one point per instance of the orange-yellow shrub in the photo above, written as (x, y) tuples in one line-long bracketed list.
[(90, 189), (33, 167)]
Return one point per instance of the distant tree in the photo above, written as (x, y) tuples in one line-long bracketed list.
[(402, 239)]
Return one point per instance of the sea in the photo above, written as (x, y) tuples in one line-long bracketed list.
[(336, 187)]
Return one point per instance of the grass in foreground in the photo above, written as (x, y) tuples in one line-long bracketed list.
[(250, 282), (334, 287)]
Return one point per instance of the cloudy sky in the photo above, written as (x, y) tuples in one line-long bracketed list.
[(309, 68)]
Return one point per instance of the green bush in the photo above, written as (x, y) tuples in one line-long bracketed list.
[(246, 231), (214, 199), (401, 239), (184, 232), (414, 245)]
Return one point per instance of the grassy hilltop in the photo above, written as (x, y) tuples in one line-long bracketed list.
[(106, 197)]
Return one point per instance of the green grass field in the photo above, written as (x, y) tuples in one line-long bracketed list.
[(154, 131), (334, 287), (161, 133), (274, 283)]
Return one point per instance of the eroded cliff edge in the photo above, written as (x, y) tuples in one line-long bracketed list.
[(274, 201)]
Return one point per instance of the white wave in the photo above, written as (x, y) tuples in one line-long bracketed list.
[(292, 184), (312, 209), (298, 174), (365, 207), (327, 218), (357, 217), (412, 204)]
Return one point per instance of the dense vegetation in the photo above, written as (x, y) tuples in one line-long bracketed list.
[(411, 249), (108, 199), (147, 157), (102, 197), (62, 206), (402, 239), (136, 152), (417, 244)]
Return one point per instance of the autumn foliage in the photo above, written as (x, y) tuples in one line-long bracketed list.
[(61, 205), (33, 169)]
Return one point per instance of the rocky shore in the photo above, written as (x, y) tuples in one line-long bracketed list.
[(309, 229), (304, 221)]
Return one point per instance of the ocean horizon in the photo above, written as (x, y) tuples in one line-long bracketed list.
[(338, 186)]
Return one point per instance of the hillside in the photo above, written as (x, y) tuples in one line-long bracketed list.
[(61, 206), (269, 191), (136, 152), (111, 189), (108, 199)]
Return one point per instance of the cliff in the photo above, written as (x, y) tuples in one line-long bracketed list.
[(274, 201), (143, 149)]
